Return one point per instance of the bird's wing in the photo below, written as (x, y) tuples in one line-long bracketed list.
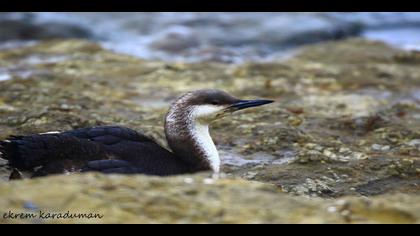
[(79, 149), (27, 152), (135, 152), (122, 143), (108, 135), (112, 166)]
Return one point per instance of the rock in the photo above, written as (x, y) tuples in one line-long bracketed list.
[(141, 199), (175, 41), (344, 150), (24, 30), (312, 187), (381, 148), (250, 175), (376, 147), (414, 143), (294, 121), (4, 170)]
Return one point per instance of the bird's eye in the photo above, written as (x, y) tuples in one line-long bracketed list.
[(214, 103)]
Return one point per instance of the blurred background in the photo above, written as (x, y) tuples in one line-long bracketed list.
[(223, 37)]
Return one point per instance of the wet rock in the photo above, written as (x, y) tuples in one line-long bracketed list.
[(341, 105), (314, 152), (175, 41), (5, 171), (381, 148), (312, 187), (403, 167), (414, 143), (26, 30), (294, 121), (190, 199)]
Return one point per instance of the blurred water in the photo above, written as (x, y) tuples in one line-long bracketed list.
[(406, 37), (224, 37)]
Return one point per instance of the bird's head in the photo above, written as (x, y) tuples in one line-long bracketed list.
[(208, 105), (187, 124)]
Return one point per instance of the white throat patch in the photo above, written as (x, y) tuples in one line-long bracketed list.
[(202, 136), (206, 113), (201, 116)]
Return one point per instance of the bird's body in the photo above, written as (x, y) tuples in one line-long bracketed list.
[(121, 150), (114, 149)]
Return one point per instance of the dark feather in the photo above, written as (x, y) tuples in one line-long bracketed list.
[(79, 149)]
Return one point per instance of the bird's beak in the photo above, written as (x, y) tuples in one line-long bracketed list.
[(242, 104), (248, 103)]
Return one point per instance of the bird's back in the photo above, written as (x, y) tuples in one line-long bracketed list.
[(109, 149)]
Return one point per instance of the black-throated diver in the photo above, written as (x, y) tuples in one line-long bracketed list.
[(114, 149)]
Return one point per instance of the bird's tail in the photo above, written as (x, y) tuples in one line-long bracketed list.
[(3, 145), (9, 150)]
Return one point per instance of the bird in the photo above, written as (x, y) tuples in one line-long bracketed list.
[(121, 150)]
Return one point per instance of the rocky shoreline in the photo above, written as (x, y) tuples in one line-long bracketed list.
[(345, 126), (188, 199)]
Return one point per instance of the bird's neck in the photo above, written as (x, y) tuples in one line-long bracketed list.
[(201, 137), (190, 141)]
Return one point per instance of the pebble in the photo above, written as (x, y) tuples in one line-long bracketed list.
[(414, 143), (359, 156), (209, 181), (344, 150), (332, 209), (329, 154), (188, 180), (310, 145), (294, 121), (30, 205), (382, 148), (250, 175)]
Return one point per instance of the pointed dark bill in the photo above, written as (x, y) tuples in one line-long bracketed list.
[(249, 103)]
